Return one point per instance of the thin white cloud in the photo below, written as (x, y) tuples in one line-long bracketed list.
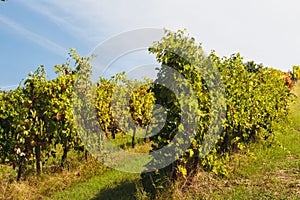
[(49, 12), (38, 39), (8, 87)]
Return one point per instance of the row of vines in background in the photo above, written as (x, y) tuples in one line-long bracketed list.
[(118, 101), (295, 73)]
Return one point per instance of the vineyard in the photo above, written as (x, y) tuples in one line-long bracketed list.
[(236, 104)]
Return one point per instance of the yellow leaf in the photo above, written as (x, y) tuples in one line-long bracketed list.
[(191, 153)]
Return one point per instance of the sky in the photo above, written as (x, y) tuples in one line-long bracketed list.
[(42, 32)]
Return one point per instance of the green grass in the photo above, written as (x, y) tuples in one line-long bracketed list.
[(111, 185)]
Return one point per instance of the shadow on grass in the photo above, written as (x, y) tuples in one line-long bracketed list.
[(125, 190)]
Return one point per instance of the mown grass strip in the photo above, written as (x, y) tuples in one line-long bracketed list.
[(111, 185)]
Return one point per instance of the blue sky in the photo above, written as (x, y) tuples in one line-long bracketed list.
[(41, 32)]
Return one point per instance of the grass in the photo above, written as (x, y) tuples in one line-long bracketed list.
[(111, 185), (53, 179)]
